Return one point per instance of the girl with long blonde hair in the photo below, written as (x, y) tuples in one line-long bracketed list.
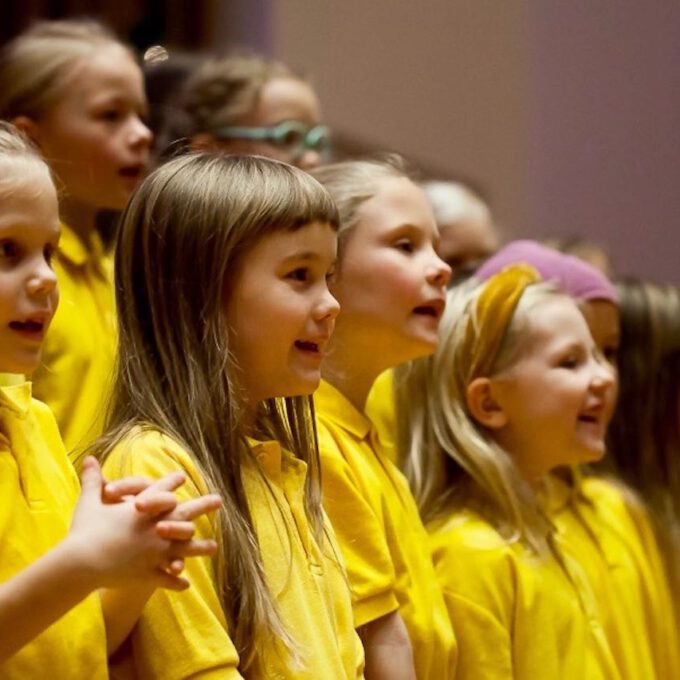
[(516, 389)]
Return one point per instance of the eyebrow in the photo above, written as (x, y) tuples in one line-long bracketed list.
[(305, 255)]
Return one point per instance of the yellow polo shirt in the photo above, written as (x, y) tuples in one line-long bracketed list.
[(380, 410), (74, 375), (516, 615), (181, 635), (615, 545), (38, 492), (382, 538)]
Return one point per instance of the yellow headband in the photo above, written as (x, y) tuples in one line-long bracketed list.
[(491, 316)]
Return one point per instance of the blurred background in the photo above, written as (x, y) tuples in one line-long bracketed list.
[(565, 116)]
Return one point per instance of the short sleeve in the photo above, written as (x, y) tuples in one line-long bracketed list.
[(361, 536), (179, 634)]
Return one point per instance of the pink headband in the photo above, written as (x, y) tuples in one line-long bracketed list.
[(573, 276)]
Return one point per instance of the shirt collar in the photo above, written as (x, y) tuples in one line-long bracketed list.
[(16, 398), (333, 405), (73, 249)]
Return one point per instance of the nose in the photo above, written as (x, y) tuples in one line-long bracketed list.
[(604, 375), (42, 280), (140, 136), (328, 307), (309, 160), (439, 272)]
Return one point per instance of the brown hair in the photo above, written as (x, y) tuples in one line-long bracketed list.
[(220, 91), (185, 229)]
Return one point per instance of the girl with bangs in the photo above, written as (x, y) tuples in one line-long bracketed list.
[(224, 315)]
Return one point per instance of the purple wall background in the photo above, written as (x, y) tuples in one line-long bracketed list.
[(566, 113), (604, 154)]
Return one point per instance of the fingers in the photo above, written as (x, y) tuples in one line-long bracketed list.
[(91, 478), (196, 507), (176, 567), (163, 579), (157, 504), (198, 547), (175, 530), (127, 486), (168, 483)]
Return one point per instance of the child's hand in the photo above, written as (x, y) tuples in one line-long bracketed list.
[(120, 544), (156, 499)]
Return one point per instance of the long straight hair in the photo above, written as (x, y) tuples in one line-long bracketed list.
[(183, 234), (450, 460)]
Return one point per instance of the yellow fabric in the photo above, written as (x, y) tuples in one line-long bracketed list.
[(515, 615), (381, 411), (39, 490), (181, 635), (79, 350), (493, 311), (382, 538), (614, 543)]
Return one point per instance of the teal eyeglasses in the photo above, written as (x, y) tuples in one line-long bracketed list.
[(291, 136)]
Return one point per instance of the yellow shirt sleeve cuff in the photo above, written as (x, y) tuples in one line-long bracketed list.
[(374, 607)]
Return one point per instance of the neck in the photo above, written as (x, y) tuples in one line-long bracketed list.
[(352, 370), (79, 217)]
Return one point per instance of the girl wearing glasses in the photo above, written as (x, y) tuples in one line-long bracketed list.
[(248, 105)]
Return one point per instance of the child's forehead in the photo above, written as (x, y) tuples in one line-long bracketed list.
[(108, 64), (553, 318)]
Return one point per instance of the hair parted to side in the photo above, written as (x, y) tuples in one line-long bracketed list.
[(35, 65), (450, 460), (351, 183), (220, 92), (19, 159), (184, 232)]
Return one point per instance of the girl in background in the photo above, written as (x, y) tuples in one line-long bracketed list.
[(602, 522), (78, 94), (50, 614), (644, 437), (390, 283), (224, 317), (516, 388), (248, 105)]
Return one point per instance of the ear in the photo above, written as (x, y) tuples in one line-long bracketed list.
[(29, 127), (484, 406)]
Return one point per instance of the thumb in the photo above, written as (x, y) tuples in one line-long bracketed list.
[(91, 478)]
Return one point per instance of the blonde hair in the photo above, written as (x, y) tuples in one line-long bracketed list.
[(351, 183), (18, 159), (450, 460), (36, 64), (182, 237), (221, 91), (453, 202)]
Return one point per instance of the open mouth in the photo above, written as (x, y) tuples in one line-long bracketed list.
[(132, 172), (33, 328), (427, 310), (307, 346)]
